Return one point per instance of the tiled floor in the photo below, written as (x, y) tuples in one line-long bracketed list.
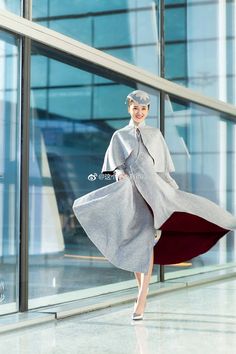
[(199, 320)]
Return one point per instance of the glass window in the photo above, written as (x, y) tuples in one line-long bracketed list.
[(80, 29), (175, 30), (9, 172), (202, 143), (74, 114), (127, 29), (174, 2), (60, 8), (11, 5), (206, 33), (175, 69)]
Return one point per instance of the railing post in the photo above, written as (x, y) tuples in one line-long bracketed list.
[(162, 93), (25, 136)]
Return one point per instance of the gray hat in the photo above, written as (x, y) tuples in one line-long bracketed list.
[(140, 97)]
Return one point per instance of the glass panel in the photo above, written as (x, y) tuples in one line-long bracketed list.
[(11, 5), (74, 114), (203, 147), (9, 172), (202, 57), (127, 29), (178, 71)]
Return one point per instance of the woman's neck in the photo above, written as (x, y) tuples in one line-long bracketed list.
[(136, 124)]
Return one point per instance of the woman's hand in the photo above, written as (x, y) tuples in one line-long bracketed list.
[(122, 176), (120, 173)]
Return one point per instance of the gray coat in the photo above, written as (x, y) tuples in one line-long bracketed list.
[(122, 218)]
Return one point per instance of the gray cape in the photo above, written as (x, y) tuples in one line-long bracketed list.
[(123, 142)]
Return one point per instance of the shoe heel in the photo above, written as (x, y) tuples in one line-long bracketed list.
[(137, 317)]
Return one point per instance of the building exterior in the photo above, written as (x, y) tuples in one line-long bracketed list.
[(66, 68)]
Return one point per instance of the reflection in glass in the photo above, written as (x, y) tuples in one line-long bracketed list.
[(200, 46), (126, 29), (74, 114), (202, 142), (11, 5), (9, 172)]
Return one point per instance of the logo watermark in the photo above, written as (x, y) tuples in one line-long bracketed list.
[(108, 177), (101, 176)]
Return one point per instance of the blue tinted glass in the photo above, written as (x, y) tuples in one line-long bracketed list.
[(9, 171), (127, 54), (60, 8), (175, 24), (113, 25), (124, 28), (80, 29), (202, 143), (206, 31), (39, 66), (146, 57), (74, 102), (61, 74), (132, 28), (39, 98), (175, 61), (107, 99), (40, 8), (11, 5), (175, 2)]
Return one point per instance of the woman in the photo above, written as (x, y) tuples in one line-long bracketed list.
[(143, 218)]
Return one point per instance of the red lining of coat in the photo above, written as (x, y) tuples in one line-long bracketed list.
[(185, 236)]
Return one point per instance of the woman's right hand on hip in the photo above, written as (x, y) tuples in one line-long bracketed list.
[(122, 176)]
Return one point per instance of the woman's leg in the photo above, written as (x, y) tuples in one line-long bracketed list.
[(143, 289), (138, 278)]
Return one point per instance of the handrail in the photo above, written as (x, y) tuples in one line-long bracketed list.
[(72, 47)]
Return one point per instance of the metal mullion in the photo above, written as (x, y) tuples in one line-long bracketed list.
[(27, 9), (25, 135), (162, 93)]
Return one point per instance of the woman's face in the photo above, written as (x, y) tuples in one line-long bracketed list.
[(138, 112)]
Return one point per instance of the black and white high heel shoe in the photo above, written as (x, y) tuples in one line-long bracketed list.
[(136, 316)]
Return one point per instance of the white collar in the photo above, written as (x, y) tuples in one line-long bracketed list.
[(132, 124)]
